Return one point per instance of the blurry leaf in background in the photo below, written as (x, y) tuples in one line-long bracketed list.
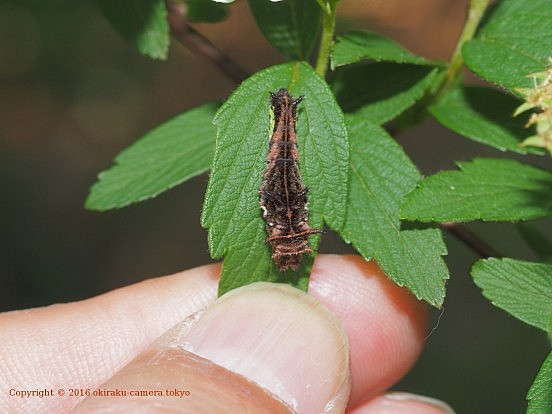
[(381, 91), (175, 151), (536, 240), (381, 175), (514, 42), (484, 189), (291, 26), (355, 46), (206, 11), (523, 289), (231, 210), (143, 22), (484, 115)]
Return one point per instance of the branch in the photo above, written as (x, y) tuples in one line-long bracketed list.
[(475, 14), (469, 238), (188, 37), (326, 38)]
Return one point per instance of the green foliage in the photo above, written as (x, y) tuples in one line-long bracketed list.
[(484, 189), (175, 151), (381, 175), (381, 91), (514, 42), (231, 210), (484, 115), (354, 46), (540, 393), (291, 26), (143, 22), (386, 87), (523, 289)]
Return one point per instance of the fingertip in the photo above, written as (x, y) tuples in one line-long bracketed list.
[(282, 339), (276, 336), (385, 324), (403, 402)]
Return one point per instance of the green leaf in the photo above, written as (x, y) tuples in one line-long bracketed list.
[(485, 189), (486, 116), (514, 43), (173, 152), (291, 26), (231, 210), (523, 289), (206, 11), (381, 91), (540, 393), (143, 22), (355, 46), (381, 175)]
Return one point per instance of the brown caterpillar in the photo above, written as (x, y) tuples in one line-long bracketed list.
[(283, 198)]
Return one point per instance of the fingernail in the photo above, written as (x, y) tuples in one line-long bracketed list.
[(280, 338), (423, 401)]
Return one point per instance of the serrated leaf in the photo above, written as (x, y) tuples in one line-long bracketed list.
[(355, 46), (484, 115), (175, 151), (514, 43), (291, 26), (206, 11), (485, 189), (231, 210), (540, 393), (381, 175), (523, 289), (143, 22), (381, 91)]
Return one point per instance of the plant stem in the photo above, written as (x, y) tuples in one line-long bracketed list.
[(470, 239), (326, 39), (475, 13), (199, 45)]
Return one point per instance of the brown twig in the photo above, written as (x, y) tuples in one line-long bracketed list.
[(199, 45), (469, 238)]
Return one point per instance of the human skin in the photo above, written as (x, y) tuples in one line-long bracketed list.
[(263, 348)]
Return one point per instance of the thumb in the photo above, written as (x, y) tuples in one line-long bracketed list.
[(262, 348)]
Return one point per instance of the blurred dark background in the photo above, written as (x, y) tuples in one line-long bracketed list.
[(73, 94)]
